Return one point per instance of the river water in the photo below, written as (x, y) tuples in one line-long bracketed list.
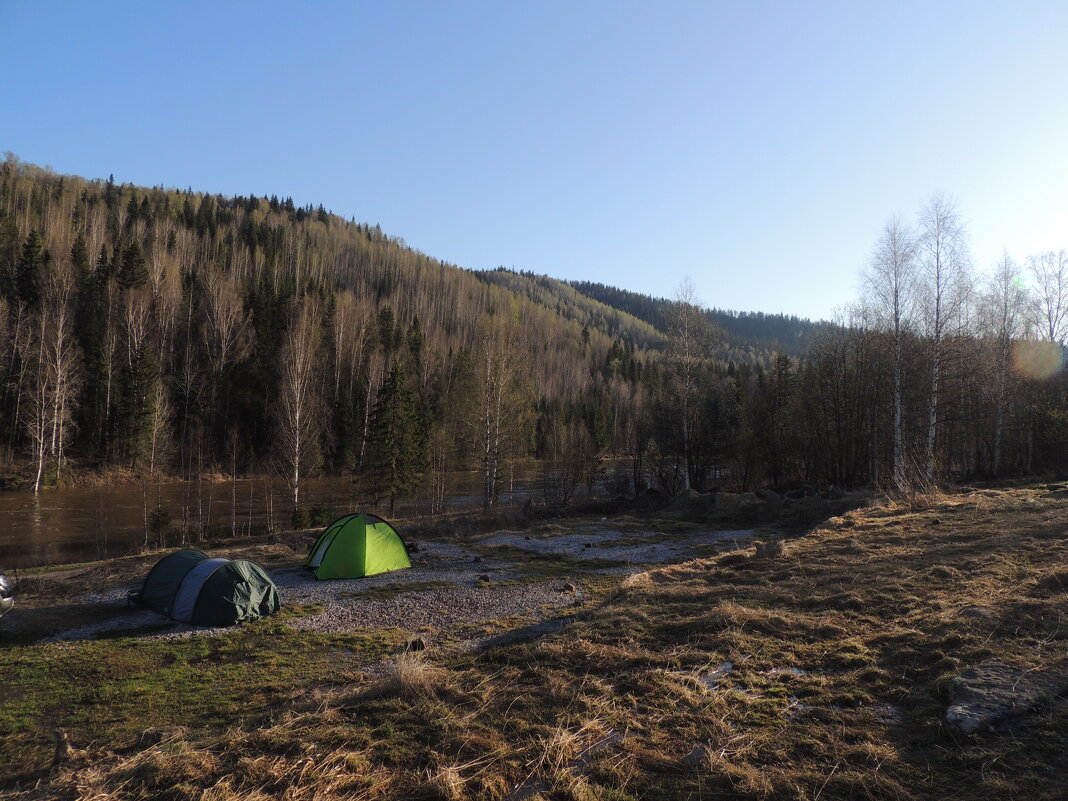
[(79, 524)]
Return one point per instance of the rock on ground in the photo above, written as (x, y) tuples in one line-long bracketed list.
[(992, 691)]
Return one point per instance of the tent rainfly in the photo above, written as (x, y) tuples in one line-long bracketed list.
[(190, 587), (357, 545)]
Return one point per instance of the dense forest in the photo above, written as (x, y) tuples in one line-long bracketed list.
[(181, 333), (746, 337)]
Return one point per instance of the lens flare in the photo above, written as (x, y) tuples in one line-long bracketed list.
[(1037, 359)]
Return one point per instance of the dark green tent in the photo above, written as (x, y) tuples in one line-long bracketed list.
[(357, 545), (190, 587)]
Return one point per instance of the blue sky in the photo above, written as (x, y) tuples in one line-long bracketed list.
[(757, 147)]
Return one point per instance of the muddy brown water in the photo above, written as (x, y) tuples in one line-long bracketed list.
[(78, 524)]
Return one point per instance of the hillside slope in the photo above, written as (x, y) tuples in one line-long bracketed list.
[(747, 336)]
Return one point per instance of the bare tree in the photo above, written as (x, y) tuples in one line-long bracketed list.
[(500, 412), (943, 257), (52, 362), (62, 357), (691, 338), (159, 426), (890, 281), (224, 331), (1004, 309), (297, 409), (1050, 271)]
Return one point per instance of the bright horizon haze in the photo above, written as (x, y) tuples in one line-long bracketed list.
[(757, 147)]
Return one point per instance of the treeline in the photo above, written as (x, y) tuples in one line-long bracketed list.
[(936, 373), (183, 333), (754, 338), (171, 331)]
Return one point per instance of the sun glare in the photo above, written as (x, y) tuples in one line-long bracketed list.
[(1037, 359)]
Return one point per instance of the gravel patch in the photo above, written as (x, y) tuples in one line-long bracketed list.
[(598, 545), (438, 610), (472, 600), (125, 620)]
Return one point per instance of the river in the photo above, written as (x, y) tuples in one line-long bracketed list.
[(79, 524)]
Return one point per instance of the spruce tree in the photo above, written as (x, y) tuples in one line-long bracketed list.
[(27, 276), (134, 271), (138, 403), (397, 439), (79, 256)]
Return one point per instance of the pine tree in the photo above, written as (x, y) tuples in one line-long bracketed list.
[(397, 441)]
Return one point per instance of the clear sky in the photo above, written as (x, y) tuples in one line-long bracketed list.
[(757, 147)]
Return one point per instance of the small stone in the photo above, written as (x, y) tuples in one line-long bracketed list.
[(413, 547), (975, 611), (769, 550), (588, 545)]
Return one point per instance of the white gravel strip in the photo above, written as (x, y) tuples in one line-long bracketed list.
[(596, 545)]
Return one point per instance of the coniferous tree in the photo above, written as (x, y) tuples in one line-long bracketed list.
[(398, 441), (31, 262), (134, 272)]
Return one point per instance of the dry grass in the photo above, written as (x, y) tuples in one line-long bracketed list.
[(838, 651)]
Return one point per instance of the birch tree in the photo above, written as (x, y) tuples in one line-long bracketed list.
[(500, 411), (224, 332), (890, 282), (943, 259), (297, 408), (62, 357), (690, 342), (1004, 307), (1050, 272)]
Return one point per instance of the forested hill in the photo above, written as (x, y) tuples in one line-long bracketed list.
[(573, 304), (179, 321), (173, 331), (747, 336)]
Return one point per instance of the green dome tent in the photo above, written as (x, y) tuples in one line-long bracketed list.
[(357, 545), (190, 587)]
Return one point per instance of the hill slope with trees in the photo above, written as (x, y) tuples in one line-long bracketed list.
[(183, 333)]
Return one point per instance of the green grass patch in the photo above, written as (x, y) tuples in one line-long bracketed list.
[(109, 690)]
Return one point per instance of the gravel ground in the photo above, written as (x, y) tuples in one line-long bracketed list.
[(432, 612), (597, 545)]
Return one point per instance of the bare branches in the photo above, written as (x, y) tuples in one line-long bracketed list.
[(1050, 271)]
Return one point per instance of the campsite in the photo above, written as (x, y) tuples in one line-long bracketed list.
[(526, 401), (535, 657)]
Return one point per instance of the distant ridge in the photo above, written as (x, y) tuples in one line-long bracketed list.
[(745, 334)]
